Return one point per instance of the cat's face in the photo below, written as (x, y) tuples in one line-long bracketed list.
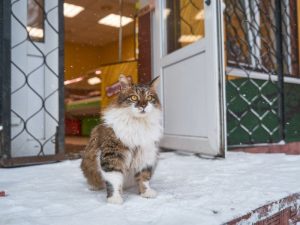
[(141, 100)]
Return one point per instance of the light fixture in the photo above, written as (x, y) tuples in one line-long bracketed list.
[(66, 82), (200, 15), (35, 32), (71, 10), (113, 20), (189, 38), (94, 80), (166, 13), (98, 72)]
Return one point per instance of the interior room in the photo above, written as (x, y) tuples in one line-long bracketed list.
[(99, 46)]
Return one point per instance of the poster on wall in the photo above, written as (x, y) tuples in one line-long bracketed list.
[(110, 86)]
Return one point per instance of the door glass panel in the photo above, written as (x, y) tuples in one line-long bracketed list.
[(35, 20), (184, 23)]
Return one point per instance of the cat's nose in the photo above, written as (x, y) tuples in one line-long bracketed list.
[(143, 106)]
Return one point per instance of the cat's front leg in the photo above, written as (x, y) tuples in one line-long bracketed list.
[(143, 177), (114, 186), (112, 170), (113, 161)]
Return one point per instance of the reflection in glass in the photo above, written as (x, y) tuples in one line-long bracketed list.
[(35, 20), (184, 23), (250, 34)]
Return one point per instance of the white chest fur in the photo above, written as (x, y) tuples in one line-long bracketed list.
[(140, 159), (139, 135), (134, 131)]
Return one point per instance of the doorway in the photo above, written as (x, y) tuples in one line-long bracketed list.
[(101, 42)]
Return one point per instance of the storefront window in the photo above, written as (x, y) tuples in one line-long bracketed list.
[(251, 28)]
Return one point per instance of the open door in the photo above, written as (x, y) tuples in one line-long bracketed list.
[(188, 54), (33, 78)]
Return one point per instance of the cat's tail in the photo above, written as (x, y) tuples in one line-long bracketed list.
[(90, 169)]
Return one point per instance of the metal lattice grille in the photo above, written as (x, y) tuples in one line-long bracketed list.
[(261, 48), (35, 80)]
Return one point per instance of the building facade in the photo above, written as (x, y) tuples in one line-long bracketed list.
[(229, 74)]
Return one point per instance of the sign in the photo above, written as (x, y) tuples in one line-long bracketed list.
[(110, 86)]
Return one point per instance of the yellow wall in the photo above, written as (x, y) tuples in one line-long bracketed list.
[(81, 58), (110, 52)]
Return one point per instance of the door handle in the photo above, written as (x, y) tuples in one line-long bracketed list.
[(207, 2)]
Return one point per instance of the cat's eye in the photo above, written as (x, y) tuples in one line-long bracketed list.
[(149, 98), (133, 98)]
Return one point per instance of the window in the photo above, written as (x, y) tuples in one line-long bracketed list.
[(184, 20), (35, 20), (251, 36)]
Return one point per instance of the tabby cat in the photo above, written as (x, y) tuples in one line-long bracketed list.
[(123, 149)]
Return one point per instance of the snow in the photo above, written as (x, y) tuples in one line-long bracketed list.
[(191, 190)]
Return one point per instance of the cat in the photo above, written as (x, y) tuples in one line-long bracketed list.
[(124, 147)]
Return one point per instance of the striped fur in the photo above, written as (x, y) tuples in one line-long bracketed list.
[(123, 148)]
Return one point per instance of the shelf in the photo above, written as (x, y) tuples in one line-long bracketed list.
[(84, 107)]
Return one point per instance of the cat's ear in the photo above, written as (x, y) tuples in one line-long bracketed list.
[(155, 82), (125, 83)]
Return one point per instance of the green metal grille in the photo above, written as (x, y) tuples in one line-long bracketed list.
[(261, 49)]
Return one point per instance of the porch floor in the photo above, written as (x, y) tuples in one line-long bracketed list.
[(191, 190)]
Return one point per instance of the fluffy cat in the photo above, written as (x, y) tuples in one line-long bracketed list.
[(124, 147)]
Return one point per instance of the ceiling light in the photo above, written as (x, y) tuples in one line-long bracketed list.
[(200, 15), (35, 32), (98, 72), (189, 38), (166, 13), (73, 81), (94, 80), (113, 20), (71, 10)]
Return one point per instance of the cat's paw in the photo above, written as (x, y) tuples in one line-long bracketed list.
[(93, 188), (117, 199), (149, 193)]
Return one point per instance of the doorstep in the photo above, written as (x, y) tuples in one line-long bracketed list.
[(285, 211), (292, 148)]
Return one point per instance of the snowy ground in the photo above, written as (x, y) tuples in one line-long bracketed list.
[(191, 191)]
